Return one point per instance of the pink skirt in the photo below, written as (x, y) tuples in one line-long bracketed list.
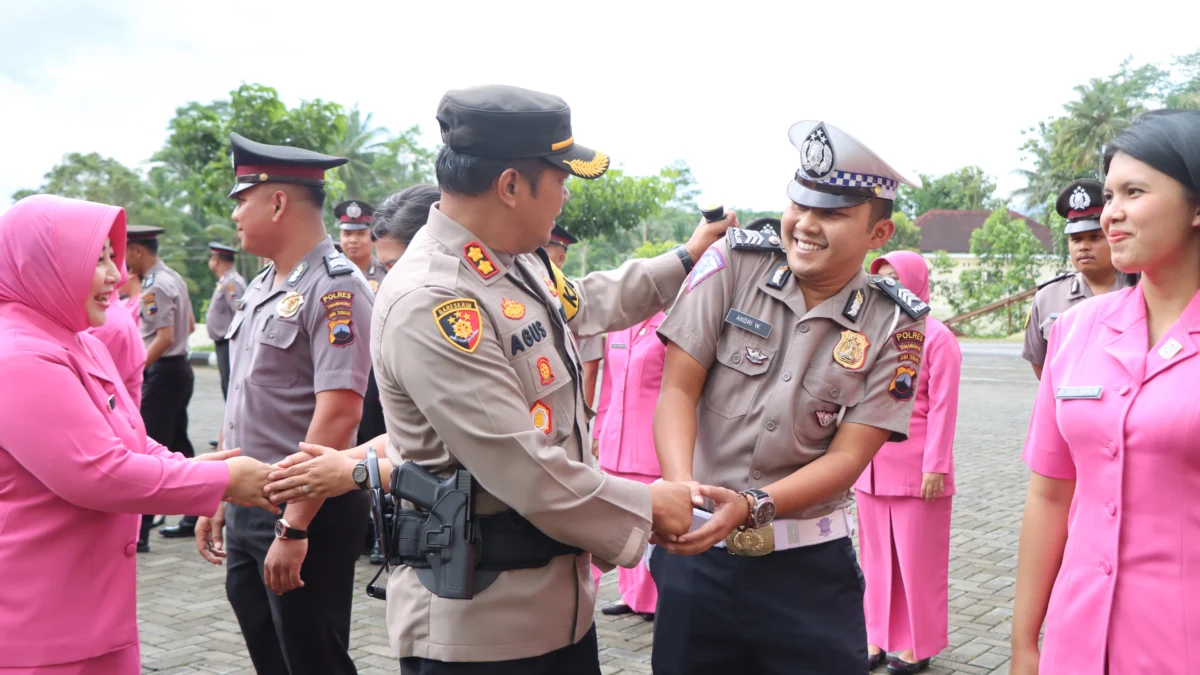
[(904, 543), (127, 661)]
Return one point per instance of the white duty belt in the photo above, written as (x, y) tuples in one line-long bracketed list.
[(779, 535)]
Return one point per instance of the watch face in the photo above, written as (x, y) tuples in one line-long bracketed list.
[(765, 513), (280, 528), (360, 474)]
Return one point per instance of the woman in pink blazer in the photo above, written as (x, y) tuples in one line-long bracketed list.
[(76, 467), (904, 499), (1110, 545), (624, 435)]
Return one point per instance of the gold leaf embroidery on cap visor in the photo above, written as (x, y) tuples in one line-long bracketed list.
[(589, 168)]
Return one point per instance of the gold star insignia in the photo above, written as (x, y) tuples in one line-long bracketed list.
[(475, 254)]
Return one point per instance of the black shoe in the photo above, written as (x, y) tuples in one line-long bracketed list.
[(649, 616), (158, 521), (179, 531), (212, 444), (877, 660), (143, 546), (616, 609), (376, 555), (897, 666)]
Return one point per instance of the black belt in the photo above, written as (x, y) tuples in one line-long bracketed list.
[(171, 359), (505, 541)]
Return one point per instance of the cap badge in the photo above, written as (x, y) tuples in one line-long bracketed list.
[(816, 154), (589, 168), (851, 351), (1080, 199), (353, 210)]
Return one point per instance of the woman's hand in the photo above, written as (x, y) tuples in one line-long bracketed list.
[(316, 473), (933, 486), (247, 483)]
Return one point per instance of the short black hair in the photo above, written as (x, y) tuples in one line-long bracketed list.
[(224, 256), (403, 213), (1166, 140), (317, 195), (881, 209), (150, 245), (471, 176)]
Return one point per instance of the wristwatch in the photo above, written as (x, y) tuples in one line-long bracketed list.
[(360, 474), (684, 257), (285, 531), (762, 508)]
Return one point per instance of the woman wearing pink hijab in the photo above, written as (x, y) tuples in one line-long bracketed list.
[(76, 467), (904, 498)]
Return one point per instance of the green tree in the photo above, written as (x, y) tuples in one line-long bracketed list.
[(1186, 94), (966, 188), (1010, 258), (361, 143), (1103, 110)]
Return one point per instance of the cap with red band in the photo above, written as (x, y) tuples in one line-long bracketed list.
[(353, 214), (561, 237), (255, 163)]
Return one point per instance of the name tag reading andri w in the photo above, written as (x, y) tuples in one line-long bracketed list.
[(1069, 393), (746, 322)]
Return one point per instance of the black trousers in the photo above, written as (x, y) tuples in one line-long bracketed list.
[(796, 612), (223, 365), (167, 386), (305, 631), (581, 658)]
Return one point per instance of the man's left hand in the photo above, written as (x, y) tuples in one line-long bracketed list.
[(281, 571), (706, 234)]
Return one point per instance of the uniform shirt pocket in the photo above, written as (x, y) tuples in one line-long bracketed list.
[(736, 378), (822, 396), (273, 365)]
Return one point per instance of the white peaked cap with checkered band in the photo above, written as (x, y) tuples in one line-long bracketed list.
[(838, 171)]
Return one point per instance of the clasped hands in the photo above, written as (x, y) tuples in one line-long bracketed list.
[(672, 504)]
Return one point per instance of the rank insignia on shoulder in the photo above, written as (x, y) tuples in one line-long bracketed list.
[(913, 306), (904, 384), (148, 281), (779, 277), (710, 263), (294, 277), (478, 258), (543, 419), (851, 351), (339, 311), (854, 305), (749, 240), (512, 309), (336, 265), (460, 323), (289, 305)]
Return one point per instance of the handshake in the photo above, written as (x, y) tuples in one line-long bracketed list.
[(672, 505)]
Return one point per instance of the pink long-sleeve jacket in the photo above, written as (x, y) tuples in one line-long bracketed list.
[(76, 466), (899, 468)]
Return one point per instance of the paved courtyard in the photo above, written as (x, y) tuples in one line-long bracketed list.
[(187, 625)]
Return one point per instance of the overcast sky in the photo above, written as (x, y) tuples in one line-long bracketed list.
[(932, 86)]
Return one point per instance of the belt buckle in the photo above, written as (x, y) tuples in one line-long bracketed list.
[(751, 543)]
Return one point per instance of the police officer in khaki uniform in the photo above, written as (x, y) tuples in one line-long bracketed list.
[(354, 221), (221, 308), (478, 368), (1080, 203), (787, 368), (300, 355), (591, 349), (165, 322)]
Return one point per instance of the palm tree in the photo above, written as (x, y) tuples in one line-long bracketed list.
[(1102, 111), (361, 145)]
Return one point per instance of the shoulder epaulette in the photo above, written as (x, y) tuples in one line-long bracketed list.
[(1056, 279), (749, 240), (336, 265), (148, 281), (913, 306)]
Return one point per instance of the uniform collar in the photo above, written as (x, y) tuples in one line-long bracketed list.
[(834, 307), (1128, 342), (312, 259), (481, 262)]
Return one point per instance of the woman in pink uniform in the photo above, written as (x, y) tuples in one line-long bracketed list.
[(624, 435), (1110, 546), (904, 498), (76, 467)]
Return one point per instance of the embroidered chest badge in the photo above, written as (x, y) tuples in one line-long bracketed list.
[(289, 304), (544, 372), (478, 258), (543, 419), (460, 323), (512, 309), (374, 285), (851, 351)]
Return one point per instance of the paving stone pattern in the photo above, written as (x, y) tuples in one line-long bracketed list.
[(187, 625)]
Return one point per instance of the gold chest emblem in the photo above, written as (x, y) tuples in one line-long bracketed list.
[(289, 305), (851, 351)]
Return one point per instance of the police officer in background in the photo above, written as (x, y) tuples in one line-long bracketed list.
[(1080, 203), (165, 321), (591, 349), (354, 221), (300, 358), (228, 291), (787, 368), (473, 351)]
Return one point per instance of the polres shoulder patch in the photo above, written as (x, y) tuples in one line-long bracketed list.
[(913, 306), (749, 240)]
